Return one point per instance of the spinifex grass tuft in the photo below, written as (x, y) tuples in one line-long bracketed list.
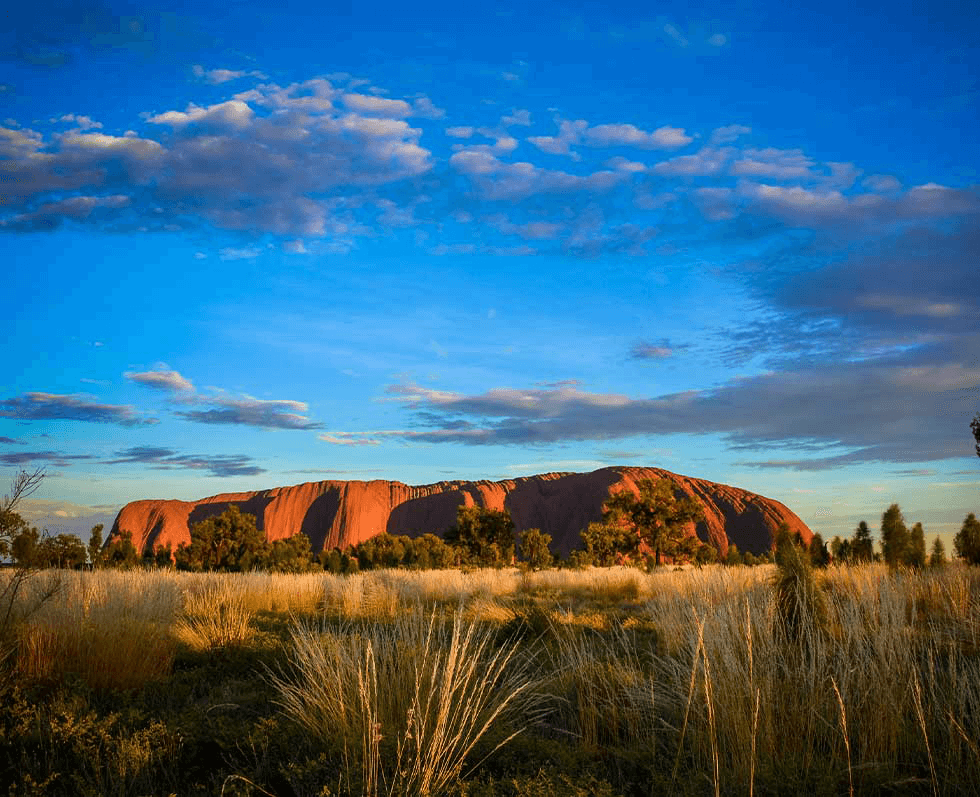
[(410, 698), (216, 617)]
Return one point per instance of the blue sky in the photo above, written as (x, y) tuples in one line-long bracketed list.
[(249, 246)]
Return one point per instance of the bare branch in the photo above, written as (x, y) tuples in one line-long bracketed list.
[(23, 485)]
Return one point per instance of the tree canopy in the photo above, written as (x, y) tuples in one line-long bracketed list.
[(656, 516)]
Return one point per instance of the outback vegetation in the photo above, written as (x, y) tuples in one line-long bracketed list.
[(434, 666)]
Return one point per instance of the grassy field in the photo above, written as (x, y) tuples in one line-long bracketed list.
[(600, 681)]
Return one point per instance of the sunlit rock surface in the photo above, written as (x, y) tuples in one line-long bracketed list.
[(341, 513)]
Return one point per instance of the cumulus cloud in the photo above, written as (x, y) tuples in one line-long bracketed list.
[(631, 136), (781, 164), (705, 163), (263, 160), (163, 379), (728, 134), (83, 122), (377, 106), (53, 406), (496, 179), (426, 109), (881, 183), (219, 465), (571, 133), (248, 411), (516, 117)]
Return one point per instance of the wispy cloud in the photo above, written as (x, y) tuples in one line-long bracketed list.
[(219, 76), (249, 411), (220, 465), (348, 439), (53, 406), (51, 457), (660, 350)]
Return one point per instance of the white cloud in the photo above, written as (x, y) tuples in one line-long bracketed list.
[(718, 40), (624, 165), (728, 134), (234, 114), (219, 76), (715, 202), (83, 122), (516, 117), (705, 163), (881, 183), (378, 106), (459, 132), (498, 180), (424, 107), (781, 164), (243, 253), (677, 37), (294, 247), (619, 135), (571, 133)]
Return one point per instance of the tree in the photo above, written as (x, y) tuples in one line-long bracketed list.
[(12, 525), (229, 541), (966, 543), (95, 546), (65, 551), (862, 544), (819, 557), (24, 548), (290, 555), (121, 553), (894, 536), (975, 426), (535, 549), (656, 516), (705, 554), (484, 536), (733, 557), (938, 556), (915, 554), (605, 543), (841, 550)]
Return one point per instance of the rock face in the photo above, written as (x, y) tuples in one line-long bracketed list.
[(341, 513)]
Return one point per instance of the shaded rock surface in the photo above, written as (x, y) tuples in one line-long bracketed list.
[(341, 513)]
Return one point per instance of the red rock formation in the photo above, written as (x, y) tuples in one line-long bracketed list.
[(341, 513)]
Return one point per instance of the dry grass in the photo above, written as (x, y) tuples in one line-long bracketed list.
[(408, 699), (411, 673), (112, 630)]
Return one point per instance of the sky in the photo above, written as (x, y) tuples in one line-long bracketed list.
[(247, 246)]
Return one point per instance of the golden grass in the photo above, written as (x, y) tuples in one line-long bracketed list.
[(685, 669), (112, 630), (409, 699)]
